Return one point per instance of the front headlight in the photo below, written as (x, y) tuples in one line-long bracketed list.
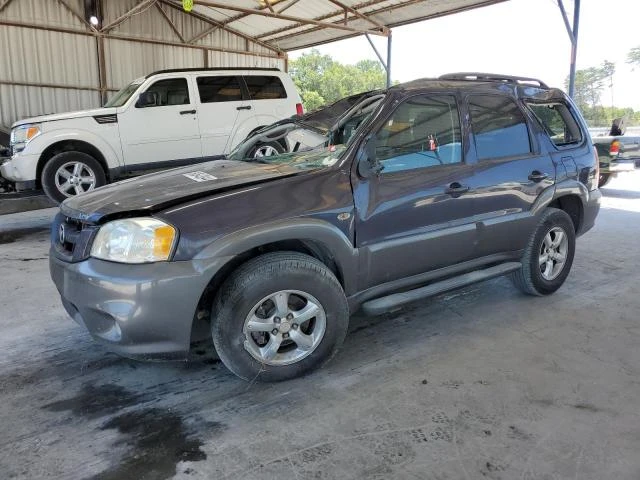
[(22, 135), (134, 240)]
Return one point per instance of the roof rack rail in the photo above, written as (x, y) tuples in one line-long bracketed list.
[(494, 77), (211, 69)]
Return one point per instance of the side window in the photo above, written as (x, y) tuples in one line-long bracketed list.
[(219, 89), (424, 131), (558, 122), (173, 91), (499, 127), (265, 87)]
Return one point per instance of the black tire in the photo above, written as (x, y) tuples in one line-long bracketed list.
[(50, 170), (529, 279), (603, 179), (264, 276), (254, 152)]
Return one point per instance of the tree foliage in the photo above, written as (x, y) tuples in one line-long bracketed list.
[(589, 84), (322, 80), (633, 57)]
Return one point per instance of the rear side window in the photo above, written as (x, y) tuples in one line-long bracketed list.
[(219, 89), (265, 87), (499, 127), (558, 122)]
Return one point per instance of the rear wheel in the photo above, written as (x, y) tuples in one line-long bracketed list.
[(603, 179), (548, 256), (68, 174), (279, 316)]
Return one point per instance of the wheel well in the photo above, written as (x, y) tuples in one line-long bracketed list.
[(202, 320), (572, 205), (70, 146)]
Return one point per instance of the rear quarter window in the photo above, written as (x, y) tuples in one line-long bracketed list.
[(558, 123), (265, 87)]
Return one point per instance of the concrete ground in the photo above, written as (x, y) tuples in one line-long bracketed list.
[(479, 383)]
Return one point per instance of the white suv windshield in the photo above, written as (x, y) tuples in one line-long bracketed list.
[(123, 95)]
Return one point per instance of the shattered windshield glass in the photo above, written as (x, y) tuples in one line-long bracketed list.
[(306, 142)]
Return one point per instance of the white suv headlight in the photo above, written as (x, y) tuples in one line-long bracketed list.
[(134, 240), (22, 135)]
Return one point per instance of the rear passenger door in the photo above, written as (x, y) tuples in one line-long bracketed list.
[(512, 171), (221, 101), (417, 215), (267, 103)]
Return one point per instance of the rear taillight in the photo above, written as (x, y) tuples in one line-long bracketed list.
[(299, 109), (614, 149)]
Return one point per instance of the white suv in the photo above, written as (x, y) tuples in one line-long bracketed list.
[(166, 119)]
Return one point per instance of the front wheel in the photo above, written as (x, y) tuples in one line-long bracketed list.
[(548, 256), (279, 316), (266, 149), (68, 174)]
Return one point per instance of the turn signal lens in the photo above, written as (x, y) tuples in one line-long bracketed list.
[(614, 149), (299, 109), (32, 132)]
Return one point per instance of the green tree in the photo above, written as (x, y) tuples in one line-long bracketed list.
[(322, 80), (633, 57), (589, 84)]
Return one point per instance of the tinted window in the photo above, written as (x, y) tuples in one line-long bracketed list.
[(219, 89), (499, 127), (557, 121), (263, 87), (173, 91), (422, 132)]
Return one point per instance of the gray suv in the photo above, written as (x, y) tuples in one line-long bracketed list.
[(395, 196)]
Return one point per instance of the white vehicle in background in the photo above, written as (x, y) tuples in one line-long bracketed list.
[(166, 119)]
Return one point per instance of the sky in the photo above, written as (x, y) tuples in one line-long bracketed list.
[(517, 37)]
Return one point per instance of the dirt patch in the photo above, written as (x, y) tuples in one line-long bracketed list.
[(10, 236)]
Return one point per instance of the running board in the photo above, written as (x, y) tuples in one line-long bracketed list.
[(381, 305)]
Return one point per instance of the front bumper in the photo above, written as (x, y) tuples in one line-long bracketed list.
[(144, 311), (21, 169)]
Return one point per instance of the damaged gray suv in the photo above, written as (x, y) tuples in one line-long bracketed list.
[(376, 201)]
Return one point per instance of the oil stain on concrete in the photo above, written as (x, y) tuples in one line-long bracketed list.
[(157, 439)]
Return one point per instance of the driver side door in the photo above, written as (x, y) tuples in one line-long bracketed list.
[(416, 215), (164, 132)]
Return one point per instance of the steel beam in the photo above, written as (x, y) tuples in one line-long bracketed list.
[(299, 20), (54, 85), (573, 37), (223, 26), (356, 13), (170, 22), (135, 39), (140, 6), (77, 15), (5, 5)]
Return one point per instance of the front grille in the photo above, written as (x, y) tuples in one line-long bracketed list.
[(71, 238)]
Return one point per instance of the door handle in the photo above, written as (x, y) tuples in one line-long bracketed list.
[(245, 107), (188, 112), (537, 176), (456, 189)]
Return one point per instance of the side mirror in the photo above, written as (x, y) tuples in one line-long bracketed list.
[(368, 166), (147, 99)]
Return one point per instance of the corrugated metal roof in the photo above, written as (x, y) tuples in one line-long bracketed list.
[(305, 23)]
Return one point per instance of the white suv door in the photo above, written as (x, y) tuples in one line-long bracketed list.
[(161, 126), (220, 103)]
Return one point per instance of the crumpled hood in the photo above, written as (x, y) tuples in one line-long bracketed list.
[(154, 192), (66, 116)]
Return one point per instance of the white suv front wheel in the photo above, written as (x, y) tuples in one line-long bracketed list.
[(68, 174)]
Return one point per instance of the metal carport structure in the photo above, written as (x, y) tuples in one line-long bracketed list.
[(128, 38)]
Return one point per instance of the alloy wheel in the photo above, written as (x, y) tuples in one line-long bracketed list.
[(284, 327)]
